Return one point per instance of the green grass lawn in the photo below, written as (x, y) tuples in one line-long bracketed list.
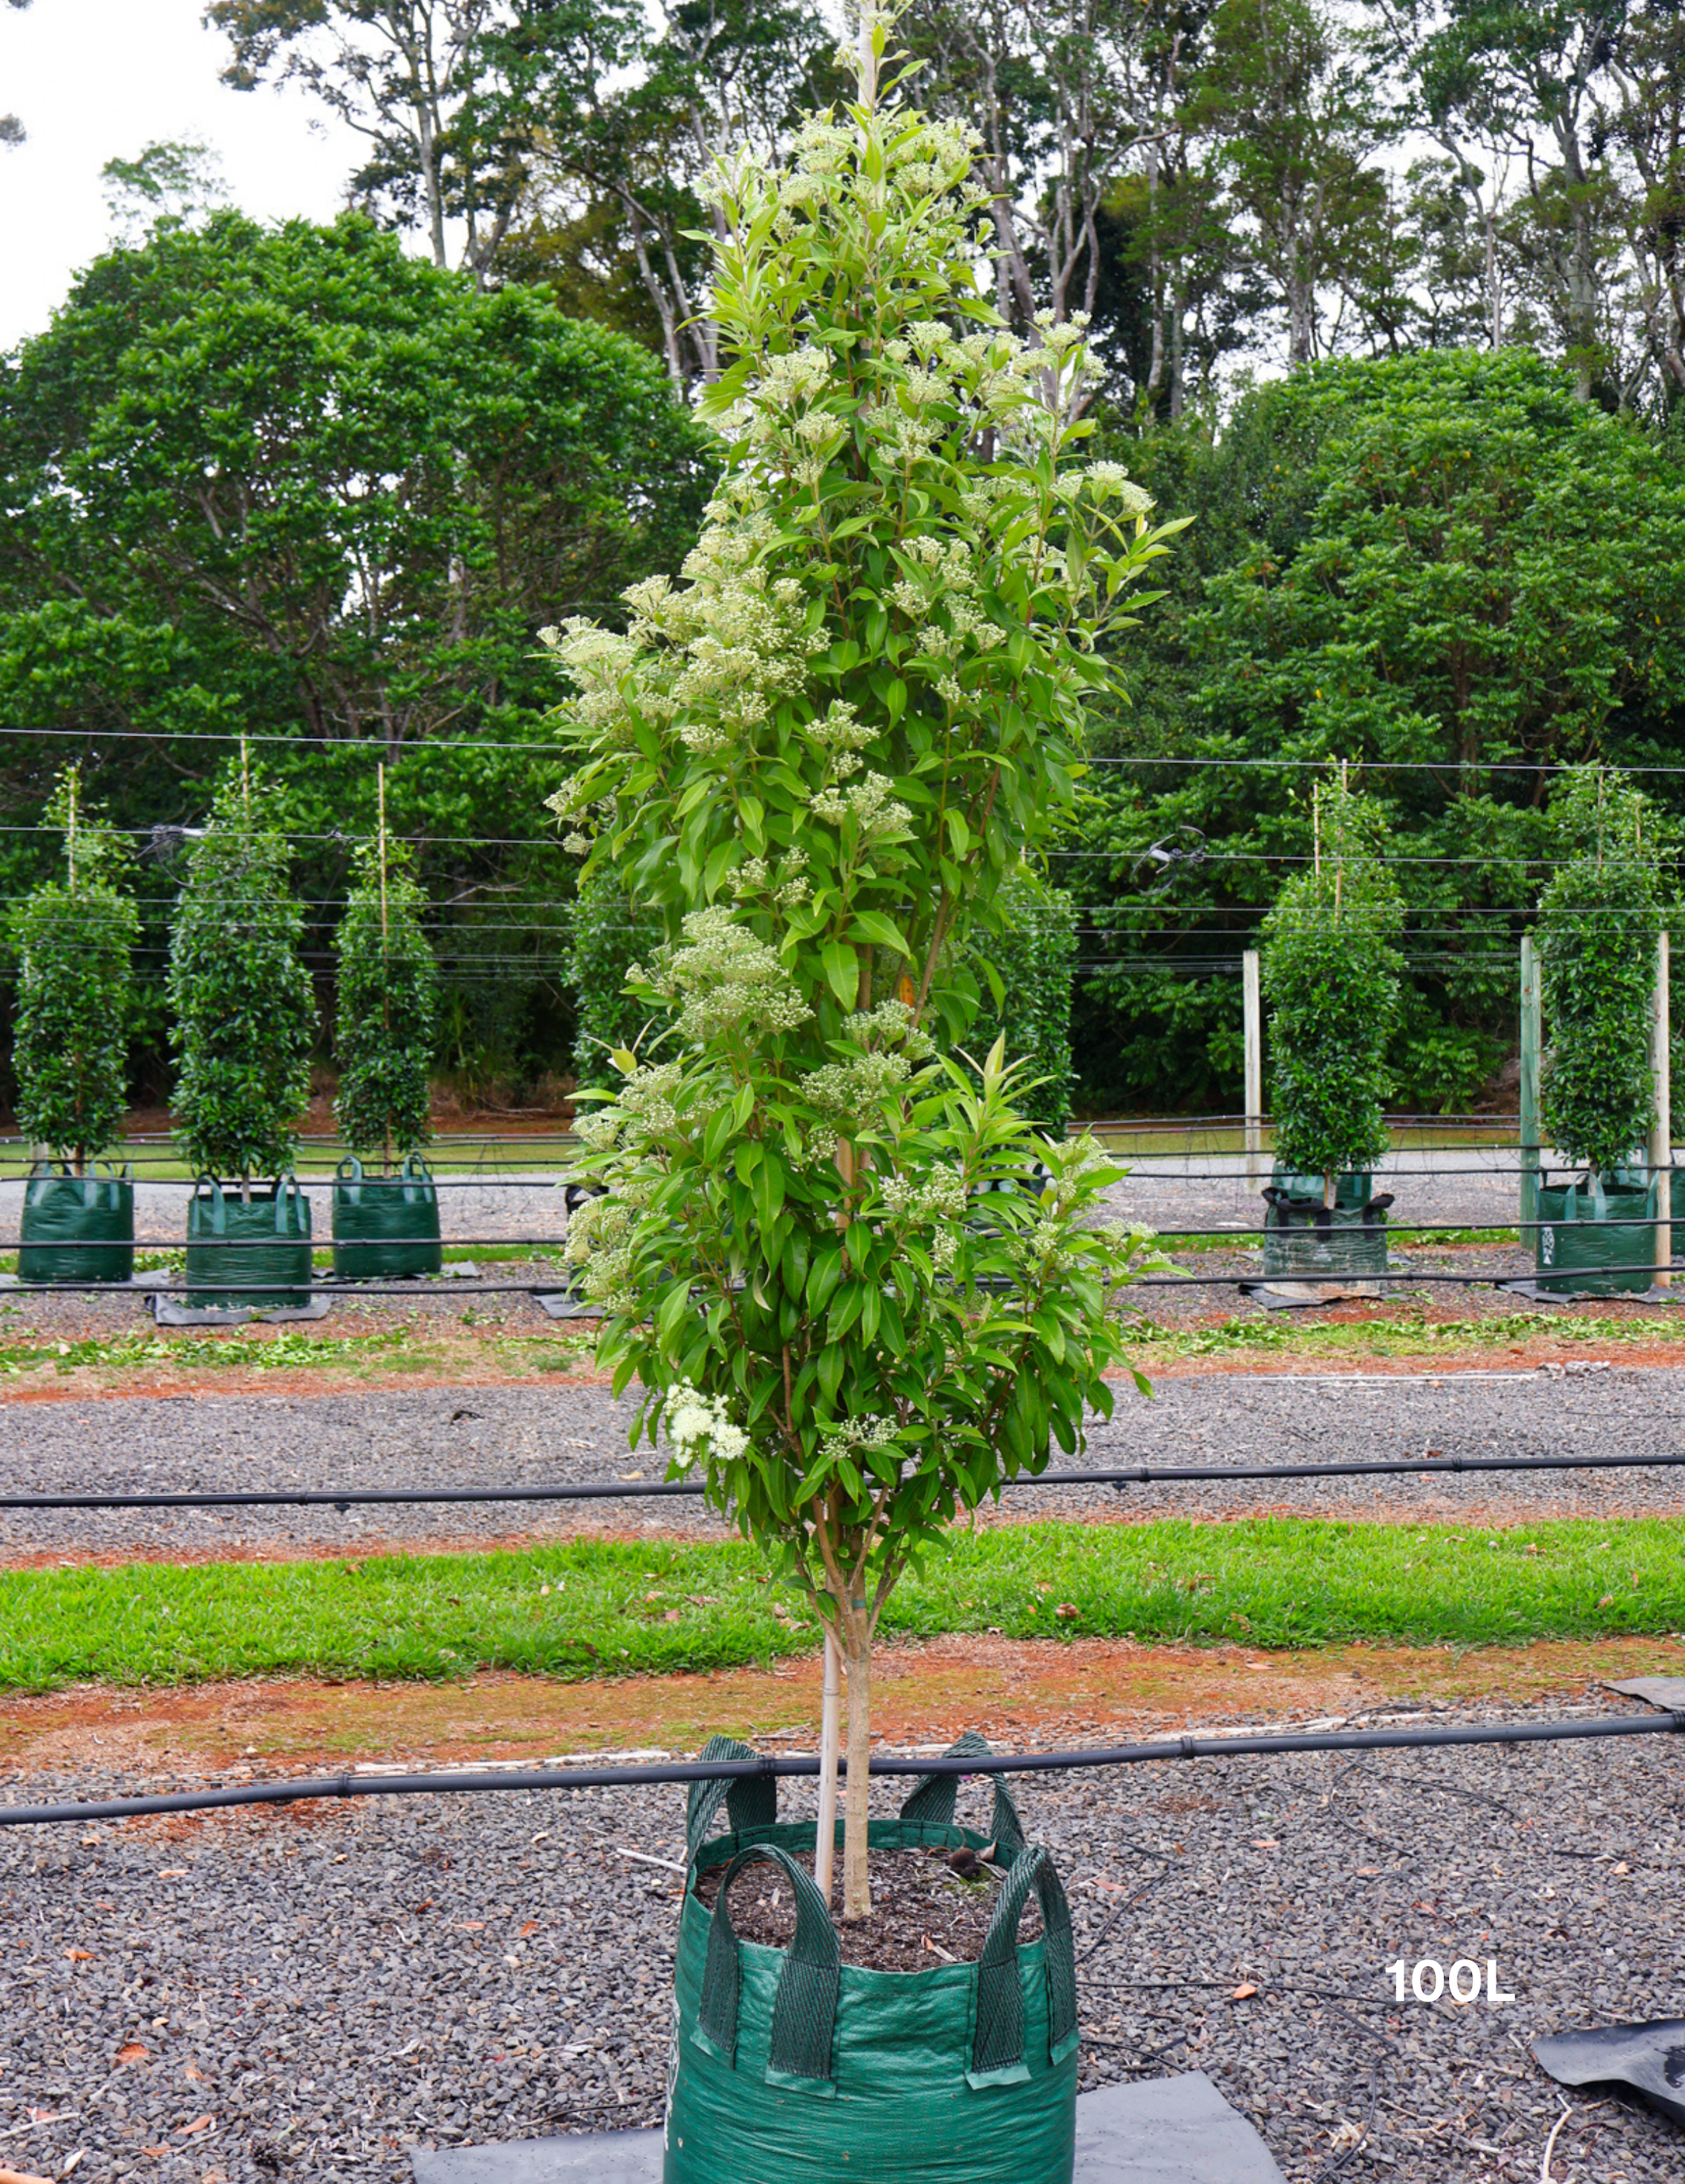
[(594, 1607)]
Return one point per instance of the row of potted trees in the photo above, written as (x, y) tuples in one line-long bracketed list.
[(1332, 970), (243, 1019)]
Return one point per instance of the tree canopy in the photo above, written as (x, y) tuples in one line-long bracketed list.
[(293, 483), (1444, 568)]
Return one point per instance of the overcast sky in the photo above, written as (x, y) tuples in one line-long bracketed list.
[(94, 80)]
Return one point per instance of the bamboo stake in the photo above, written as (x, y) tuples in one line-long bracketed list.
[(830, 1728), (1661, 1134), (385, 955)]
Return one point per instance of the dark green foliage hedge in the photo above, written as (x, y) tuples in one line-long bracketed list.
[(1033, 954), (608, 936), (386, 1021), (244, 1012), (1598, 922), (75, 938), (1332, 974)]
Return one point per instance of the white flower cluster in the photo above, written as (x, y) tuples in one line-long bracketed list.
[(890, 1024), (786, 890), (727, 982), (849, 1091), (937, 1194), (856, 1437), (599, 1245), (695, 1424), (871, 803)]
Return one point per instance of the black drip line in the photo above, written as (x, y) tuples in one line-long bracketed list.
[(1135, 1474), (767, 1767)]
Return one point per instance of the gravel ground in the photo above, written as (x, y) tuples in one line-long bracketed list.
[(436, 1437), (318, 1992)]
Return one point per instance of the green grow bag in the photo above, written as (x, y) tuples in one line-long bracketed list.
[(1303, 1236), (1597, 1236), (242, 1254), (78, 1227), (788, 2067), (386, 1227)]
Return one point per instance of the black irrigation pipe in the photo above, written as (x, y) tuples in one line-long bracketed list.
[(1134, 1474), (1172, 1236), (765, 1766)]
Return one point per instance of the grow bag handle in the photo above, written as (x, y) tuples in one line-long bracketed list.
[(804, 2008), (414, 1169), (934, 1797), (750, 1801), (96, 1171), (997, 2045), (287, 1189)]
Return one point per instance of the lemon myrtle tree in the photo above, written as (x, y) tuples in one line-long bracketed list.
[(817, 756)]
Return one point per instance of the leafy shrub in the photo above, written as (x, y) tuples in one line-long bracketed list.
[(387, 1020), (74, 939), (1332, 973), (1599, 920), (244, 1011)]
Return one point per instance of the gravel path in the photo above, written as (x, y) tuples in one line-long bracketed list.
[(317, 1991), (436, 1437)]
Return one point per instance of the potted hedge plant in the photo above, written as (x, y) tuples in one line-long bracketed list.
[(75, 938), (245, 1019), (386, 1027), (1332, 972), (1599, 921), (815, 757)]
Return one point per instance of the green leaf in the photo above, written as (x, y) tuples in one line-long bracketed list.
[(874, 928), (842, 971)]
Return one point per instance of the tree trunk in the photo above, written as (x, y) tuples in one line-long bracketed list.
[(856, 1879), (1331, 1189)]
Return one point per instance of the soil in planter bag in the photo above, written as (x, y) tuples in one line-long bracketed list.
[(789, 2067), (78, 1227), (386, 1227), (243, 1253), (1585, 1241)]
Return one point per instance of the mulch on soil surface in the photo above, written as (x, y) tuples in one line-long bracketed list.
[(925, 1913)]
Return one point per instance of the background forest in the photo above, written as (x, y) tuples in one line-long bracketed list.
[(1391, 299)]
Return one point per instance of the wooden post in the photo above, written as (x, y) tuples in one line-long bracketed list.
[(1661, 1132), (1532, 1028), (1252, 1010), (830, 1725)]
